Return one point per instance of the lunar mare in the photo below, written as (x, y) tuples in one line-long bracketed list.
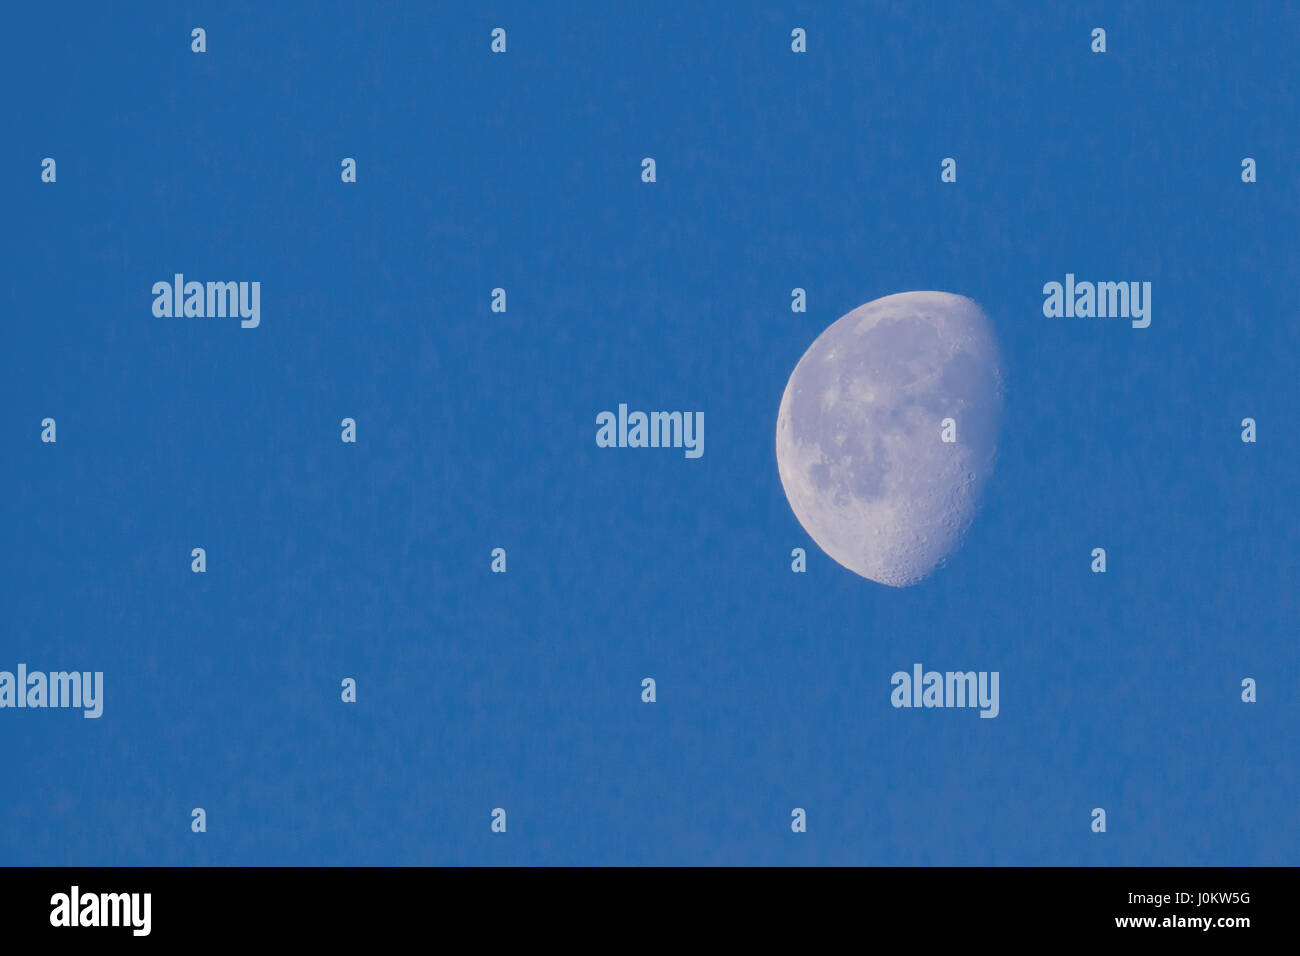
[(859, 442)]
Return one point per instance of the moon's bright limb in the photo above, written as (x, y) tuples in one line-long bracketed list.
[(859, 438)]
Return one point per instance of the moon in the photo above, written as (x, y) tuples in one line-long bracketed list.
[(860, 435)]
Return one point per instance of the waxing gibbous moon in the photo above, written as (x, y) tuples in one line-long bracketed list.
[(859, 437)]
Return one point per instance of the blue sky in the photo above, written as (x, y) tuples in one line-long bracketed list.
[(476, 430)]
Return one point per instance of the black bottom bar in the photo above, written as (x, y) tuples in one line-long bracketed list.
[(341, 906)]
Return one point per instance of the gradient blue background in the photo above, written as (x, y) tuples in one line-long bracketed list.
[(476, 430)]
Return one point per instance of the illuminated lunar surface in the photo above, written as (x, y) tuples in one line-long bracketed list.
[(859, 435)]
